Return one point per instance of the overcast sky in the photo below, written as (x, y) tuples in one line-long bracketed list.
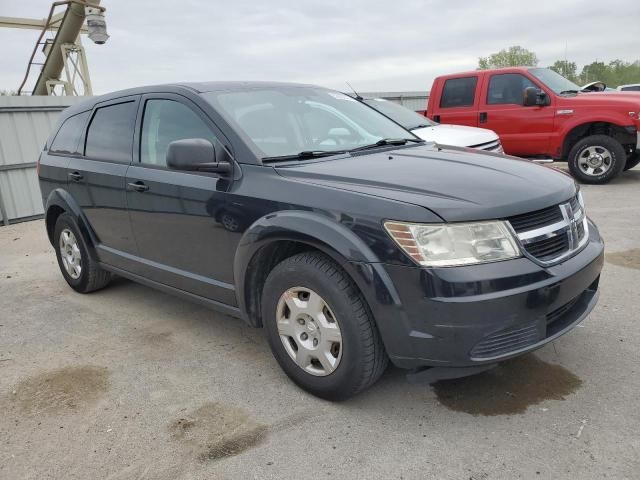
[(373, 44)]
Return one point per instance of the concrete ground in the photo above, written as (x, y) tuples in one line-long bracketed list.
[(130, 383)]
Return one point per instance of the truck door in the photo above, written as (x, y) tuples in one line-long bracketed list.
[(458, 102), (523, 131)]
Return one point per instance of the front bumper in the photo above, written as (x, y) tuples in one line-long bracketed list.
[(482, 314)]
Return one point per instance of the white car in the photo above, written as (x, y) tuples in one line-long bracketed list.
[(633, 87), (455, 135)]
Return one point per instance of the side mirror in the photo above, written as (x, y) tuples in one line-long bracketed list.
[(533, 96), (195, 154)]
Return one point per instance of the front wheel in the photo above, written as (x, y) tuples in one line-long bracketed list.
[(319, 327), (597, 159)]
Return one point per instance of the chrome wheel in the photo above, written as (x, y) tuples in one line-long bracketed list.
[(70, 253), (595, 160), (309, 331)]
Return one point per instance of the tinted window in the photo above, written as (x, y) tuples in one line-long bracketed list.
[(459, 92), (165, 121), (110, 133), (507, 88), (632, 88), (68, 136)]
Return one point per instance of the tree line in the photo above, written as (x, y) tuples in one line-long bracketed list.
[(614, 73)]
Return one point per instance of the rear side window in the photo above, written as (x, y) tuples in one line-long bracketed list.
[(507, 88), (166, 121), (110, 134), (459, 92), (68, 137)]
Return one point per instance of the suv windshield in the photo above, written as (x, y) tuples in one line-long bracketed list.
[(402, 115), (285, 121), (554, 81)]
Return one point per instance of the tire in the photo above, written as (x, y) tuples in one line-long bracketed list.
[(90, 276), (361, 358), (600, 148), (632, 161)]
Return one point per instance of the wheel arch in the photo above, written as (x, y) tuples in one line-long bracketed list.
[(60, 201), (575, 133), (275, 237)]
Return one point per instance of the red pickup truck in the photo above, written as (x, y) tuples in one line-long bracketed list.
[(540, 114)]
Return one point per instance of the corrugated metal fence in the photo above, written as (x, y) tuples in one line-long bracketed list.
[(25, 124), (416, 101)]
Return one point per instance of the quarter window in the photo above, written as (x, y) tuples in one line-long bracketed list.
[(459, 92), (110, 134), (507, 88), (166, 121), (68, 137)]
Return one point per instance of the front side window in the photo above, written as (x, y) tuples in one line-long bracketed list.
[(507, 88), (631, 88), (68, 137), (459, 92), (110, 134), (282, 121), (166, 121)]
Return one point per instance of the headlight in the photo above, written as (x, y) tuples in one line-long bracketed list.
[(447, 245)]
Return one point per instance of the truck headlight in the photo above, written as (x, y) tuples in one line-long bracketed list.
[(448, 245)]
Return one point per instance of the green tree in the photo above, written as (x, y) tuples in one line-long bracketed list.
[(567, 69), (514, 56), (7, 93)]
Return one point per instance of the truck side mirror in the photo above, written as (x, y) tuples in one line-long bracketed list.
[(533, 96), (195, 154)]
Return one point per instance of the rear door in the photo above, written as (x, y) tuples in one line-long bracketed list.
[(523, 131), (185, 233), (458, 101), (96, 179)]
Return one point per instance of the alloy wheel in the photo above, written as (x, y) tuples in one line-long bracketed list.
[(70, 254)]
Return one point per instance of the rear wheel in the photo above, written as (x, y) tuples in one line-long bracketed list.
[(80, 271), (597, 159), (319, 327), (632, 161)]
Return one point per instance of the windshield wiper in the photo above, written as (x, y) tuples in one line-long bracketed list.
[(419, 126), (305, 154), (387, 141)]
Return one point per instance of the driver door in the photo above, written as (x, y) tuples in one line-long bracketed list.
[(523, 131), (181, 243)]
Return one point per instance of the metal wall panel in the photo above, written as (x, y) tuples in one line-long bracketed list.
[(416, 101), (25, 125)]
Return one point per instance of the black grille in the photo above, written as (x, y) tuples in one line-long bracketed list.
[(506, 341), (560, 311), (549, 248), (580, 229), (539, 218)]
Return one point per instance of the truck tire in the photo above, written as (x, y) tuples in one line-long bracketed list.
[(632, 161), (597, 159), (320, 328), (80, 271)]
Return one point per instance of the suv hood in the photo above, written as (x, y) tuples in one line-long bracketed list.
[(457, 184), (456, 135)]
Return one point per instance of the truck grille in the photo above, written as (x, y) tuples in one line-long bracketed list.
[(492, 146), (552, 234)]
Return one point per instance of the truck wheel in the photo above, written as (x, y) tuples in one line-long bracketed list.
[(320, 329), (597, 159), (632, 161), (80, 271)]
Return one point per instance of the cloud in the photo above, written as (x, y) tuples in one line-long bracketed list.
[(375, 44)]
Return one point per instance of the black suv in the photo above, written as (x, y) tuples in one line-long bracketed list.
[(308, 213)]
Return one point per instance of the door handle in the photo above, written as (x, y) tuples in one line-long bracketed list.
[(483, 117), (76, 176), (138, 186)]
